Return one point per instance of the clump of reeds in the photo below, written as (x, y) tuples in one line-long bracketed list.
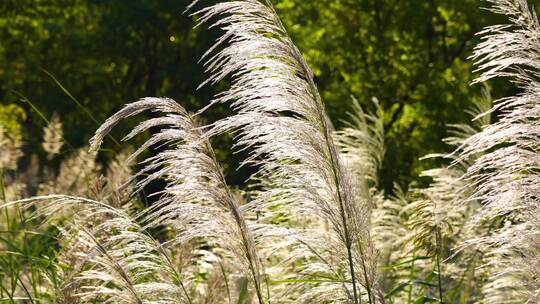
[(313, 225)]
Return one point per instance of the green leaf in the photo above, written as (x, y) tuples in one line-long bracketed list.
[(409, 261), (397, 289), (426, 299), (308, 281), (242, 295), (402, 286)]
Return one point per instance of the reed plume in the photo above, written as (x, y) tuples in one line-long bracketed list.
[(107, 256), (197, 202), (504, 178), (10, 148), (53, 137), (280, 118)]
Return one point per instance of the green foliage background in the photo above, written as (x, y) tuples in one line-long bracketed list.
[(411, 55)]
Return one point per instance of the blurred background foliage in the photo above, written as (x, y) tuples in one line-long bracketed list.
[(84, 59)]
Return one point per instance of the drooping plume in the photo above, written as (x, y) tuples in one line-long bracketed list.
[(280, 118), (505, 178), (196, 203), (107, 256)]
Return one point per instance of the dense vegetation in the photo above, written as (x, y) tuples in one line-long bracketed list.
[(319, 152), (411, 56)]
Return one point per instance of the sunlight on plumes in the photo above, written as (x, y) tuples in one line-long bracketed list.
[(196, 202), (160, 223), (53, 137), (10, 150), (503, 178)]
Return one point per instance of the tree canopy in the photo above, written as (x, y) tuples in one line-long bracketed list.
[(85, 59)]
